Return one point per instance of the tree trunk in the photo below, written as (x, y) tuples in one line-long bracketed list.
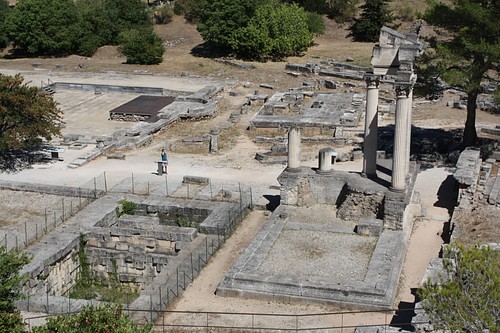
[(470, 134)]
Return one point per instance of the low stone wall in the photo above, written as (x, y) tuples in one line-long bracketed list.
[(105, 88), (67, 191)]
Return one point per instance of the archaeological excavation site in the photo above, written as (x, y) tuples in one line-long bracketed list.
[(141, 234)]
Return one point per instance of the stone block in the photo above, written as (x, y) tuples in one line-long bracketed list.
[(122, 246), (369, 227)]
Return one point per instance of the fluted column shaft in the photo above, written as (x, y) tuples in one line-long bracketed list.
[(409, 107), (399, 159), (371, 128)]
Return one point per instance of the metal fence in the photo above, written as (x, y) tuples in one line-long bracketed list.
[(331, 322), (72, 201)]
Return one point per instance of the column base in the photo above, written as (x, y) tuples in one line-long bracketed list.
[(397, 190), (369, 175), (293, 170)]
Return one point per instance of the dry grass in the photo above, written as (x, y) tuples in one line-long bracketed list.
[(480, 225)]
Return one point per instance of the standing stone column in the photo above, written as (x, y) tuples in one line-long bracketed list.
[(293, 149), (371, 127), (409, 107), (398, 181)]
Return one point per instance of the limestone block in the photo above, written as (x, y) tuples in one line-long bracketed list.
[(149, 242), (164, 243), (134, 240), (122, 246), (139, 265), (369, 227), (107, 245)]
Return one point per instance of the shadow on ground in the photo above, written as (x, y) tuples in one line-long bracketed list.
[(14, 161)]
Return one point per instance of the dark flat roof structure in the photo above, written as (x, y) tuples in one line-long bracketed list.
[(144, 107)]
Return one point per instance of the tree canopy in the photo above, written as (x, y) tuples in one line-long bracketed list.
[(338, 10), (142, 46), (375, 15), (44, 27), (466, 298), (221, 18), (4, 9), (472, 51), (10, 279), (26, 114), (273, 32)]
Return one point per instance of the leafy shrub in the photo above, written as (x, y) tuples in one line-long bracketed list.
[(99, 319), (163, 14), (142, 46), (128, 207), (315, 23)]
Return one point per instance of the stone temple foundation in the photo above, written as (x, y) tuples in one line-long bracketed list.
[(348, 247)]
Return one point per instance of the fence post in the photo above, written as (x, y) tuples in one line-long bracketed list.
[(25, 234), (105, 183), (46, 229), (62, 209), (166, 184), (210, 184), (95, 189), (192, 268), (5, 237), (79, 198), (55, 223), (133, 183), (188, 190), (251, 199), (241, 203), (148, 188)]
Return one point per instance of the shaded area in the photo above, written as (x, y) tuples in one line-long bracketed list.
[(447, 194), (206, 50), (13, 161)]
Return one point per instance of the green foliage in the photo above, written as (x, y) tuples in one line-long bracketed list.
[(100, 319), (274, 32), (182, 221), (44, 27), (339, 10), (142, 46), (315, 23), (26, 114), (103, 21), (220, 19), (10, 280), (4, 11), (163, 14), (86, 287), (465, 59), (128, 207), (191, 9), (375, 15), (467, 297)]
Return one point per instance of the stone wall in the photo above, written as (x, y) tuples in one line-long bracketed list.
[(357, 205)]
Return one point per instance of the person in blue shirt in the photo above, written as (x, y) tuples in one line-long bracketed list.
[(164, 160)]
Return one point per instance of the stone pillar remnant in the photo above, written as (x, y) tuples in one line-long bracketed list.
[(371, 126), (293, 149), (398, 181), (327, 157)]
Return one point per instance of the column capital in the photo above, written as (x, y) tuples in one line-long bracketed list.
[(403, 89), (372, 80)]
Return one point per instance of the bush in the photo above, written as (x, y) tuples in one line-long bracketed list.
[(100, 319), (375, 15), (466, 298), (315, 23), (128, 207), (163, 14), (274, 32), (142, 46)]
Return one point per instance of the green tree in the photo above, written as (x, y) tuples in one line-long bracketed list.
[(142, 46), (103, 21), (466, 298), (274, 32), (10, 280), (338, 10), (4, 10), (26, 114), (100, 319), (471, 54), (375, 15), (190, 9), (221, 18), (44, 27)]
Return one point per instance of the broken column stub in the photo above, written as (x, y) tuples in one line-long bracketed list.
[(327, 157)]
